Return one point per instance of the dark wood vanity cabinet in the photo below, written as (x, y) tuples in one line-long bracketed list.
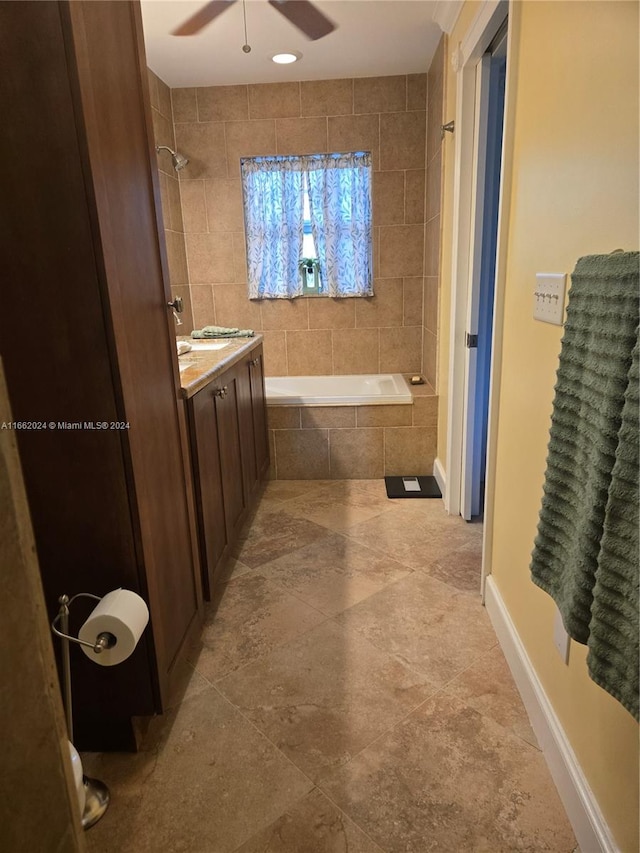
[(230, 456), (88, 344)]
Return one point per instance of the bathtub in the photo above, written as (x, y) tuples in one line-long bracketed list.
[(356, 390)]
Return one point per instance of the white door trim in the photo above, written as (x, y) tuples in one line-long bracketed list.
[(476, 41)]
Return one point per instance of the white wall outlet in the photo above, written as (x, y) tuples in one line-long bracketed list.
[(548, 297), (561, 640)]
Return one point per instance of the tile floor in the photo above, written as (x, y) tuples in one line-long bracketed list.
[(348, 695)]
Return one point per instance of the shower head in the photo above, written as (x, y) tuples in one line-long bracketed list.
[(179, 162)]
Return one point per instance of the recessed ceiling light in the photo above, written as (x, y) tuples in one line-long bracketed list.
[(286, 58)]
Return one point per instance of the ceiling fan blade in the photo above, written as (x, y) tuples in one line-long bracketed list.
[(305, 17), (202, 17)]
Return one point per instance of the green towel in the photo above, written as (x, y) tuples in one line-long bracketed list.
[(221, 332), (613, 658), (573, 560)]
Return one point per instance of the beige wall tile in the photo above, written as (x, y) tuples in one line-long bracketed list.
[(336, 417), (409, 450), (379, 416), (402, 140), (388, 198), (435, 117), (414, 188), (412, 288), (283, 417), (430, 358), (163, 135), (248, 139), (275, 353), (355, 351), (301, 135), (401, 350), (309, 353), (194, 214), (425, 411), (224, 204), (328, 313), (356, 454), (285, 313), (173, 201), (235, 309), (222, 103), (210, 258), (165, 208), (355, 133), (202, 305), (432, 247), (375, 252), (203, 144), (434, 181), (184, 104), (240, 258), (153, 89), (327, 97), (416, 91), (302, 454), (430, 321), (164, 99), (401, 249), (176, 258), (385, 308), (274, 100), (379, 94)]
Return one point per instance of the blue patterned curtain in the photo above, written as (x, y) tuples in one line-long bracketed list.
[(273, 207), (340, 201)]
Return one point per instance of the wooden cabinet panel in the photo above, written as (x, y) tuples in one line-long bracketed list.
[(228, 416), (230, 454), (208, 480), (259, 411)]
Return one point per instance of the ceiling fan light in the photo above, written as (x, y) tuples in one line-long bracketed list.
[(286, 58)]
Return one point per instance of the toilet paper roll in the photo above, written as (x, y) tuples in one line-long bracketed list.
[(121, 613)]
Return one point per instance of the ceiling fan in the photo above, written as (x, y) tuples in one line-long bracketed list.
[(301, 13)]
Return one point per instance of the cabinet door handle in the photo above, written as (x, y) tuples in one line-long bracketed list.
[(222, 392), (254, 362)]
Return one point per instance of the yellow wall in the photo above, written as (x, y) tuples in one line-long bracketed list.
[(574, 191)]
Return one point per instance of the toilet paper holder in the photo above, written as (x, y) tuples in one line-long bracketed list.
[(96, 793), (105, 640)]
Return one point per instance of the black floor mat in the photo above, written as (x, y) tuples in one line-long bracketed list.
[(423, 487)]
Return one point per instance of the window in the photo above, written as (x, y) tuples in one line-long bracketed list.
[(313, 210)]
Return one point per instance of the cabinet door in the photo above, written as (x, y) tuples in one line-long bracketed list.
[(259, 412), (226, 398), (207, 472), (247, 436)]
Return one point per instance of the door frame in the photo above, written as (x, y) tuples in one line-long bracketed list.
[(464, 61)]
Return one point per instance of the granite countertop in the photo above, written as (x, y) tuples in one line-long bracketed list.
[(202, 366)]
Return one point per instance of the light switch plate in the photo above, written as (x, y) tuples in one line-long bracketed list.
[(548, 297)]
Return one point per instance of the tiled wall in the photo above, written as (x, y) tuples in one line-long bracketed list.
[(215, 126), (354, 442), (435, 84), (162, 116)]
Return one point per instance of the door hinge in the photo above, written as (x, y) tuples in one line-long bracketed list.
[(471, 341)]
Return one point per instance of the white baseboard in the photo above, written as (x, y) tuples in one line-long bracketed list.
[(589, 825), (441, 477)]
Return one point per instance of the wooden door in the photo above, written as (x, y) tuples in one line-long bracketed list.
[(112, 96), (208, 480)]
